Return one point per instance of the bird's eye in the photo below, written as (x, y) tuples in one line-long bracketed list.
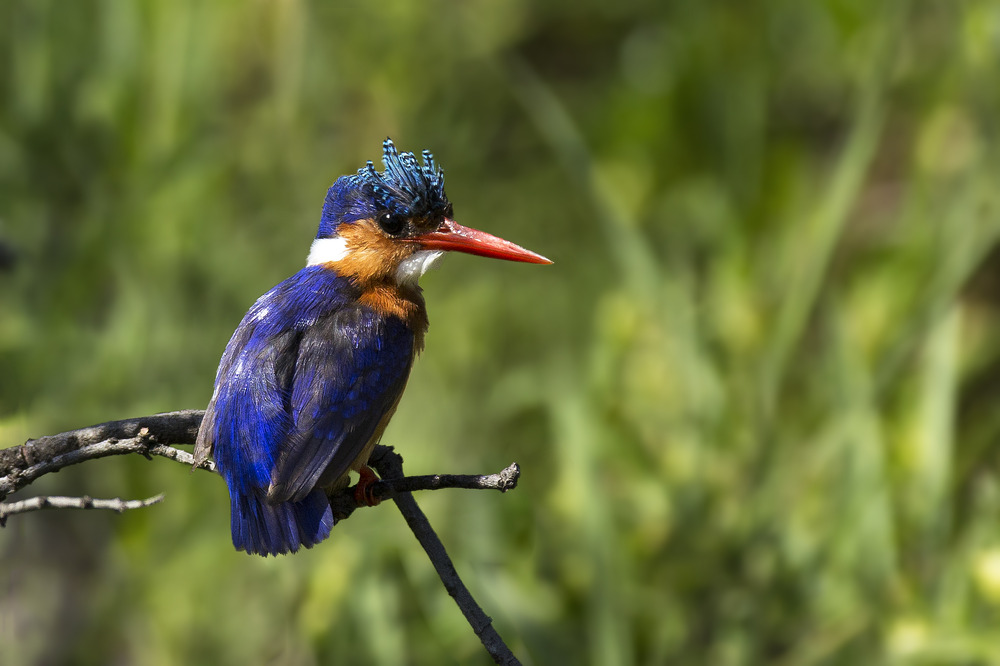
[(392, 224)]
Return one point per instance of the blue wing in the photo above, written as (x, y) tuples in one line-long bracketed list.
[(302, 388), (350, 370)]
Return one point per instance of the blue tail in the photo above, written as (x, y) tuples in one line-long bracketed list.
[(270, 529)]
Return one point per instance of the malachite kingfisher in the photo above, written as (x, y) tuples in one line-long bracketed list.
[(317, 366)]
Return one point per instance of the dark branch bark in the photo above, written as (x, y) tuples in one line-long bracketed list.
[(20, 465), (153, 436)]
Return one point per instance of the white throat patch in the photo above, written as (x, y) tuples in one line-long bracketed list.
[(325, 250), (418, 263)]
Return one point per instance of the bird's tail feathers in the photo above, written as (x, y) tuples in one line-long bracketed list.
[(271, 529)]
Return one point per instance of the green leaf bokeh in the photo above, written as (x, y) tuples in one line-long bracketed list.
[(754, 400)]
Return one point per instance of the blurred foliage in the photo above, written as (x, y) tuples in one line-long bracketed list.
[(754, 399)]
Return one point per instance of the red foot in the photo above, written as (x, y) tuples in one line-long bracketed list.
[(363, 491)]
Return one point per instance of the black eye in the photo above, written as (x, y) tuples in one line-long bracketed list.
[(392, 224)]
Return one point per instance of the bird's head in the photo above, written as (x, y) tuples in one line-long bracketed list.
[(395, 224)]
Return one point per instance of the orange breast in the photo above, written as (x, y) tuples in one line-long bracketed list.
[(402, 302)]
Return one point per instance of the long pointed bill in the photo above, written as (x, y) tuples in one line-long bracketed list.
[(453, 236)]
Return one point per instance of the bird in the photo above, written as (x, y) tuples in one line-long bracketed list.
[(317, 366)]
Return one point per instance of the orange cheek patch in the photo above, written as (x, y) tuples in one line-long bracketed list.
[(371, 257), (371, 262)]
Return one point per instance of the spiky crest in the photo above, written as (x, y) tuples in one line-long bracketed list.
[(404, 188)]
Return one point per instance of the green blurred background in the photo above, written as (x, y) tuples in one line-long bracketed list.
[(755, 400)]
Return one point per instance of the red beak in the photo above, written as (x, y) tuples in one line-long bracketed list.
[(453, 236)]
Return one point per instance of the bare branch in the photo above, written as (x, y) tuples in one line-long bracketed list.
[(344, 502), (503, 481), (153, 436), (20, 465), (389, 465), (55, 502)]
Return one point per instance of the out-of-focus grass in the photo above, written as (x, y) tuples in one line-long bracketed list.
[(754, 399)]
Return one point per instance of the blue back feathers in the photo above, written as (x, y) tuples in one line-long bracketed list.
[(406, 188), (301, 389)]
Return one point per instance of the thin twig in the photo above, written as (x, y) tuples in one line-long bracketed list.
[(344, 501), (389, 465), (55, 502), (503, 481)]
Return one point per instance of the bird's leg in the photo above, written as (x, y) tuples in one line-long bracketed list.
[(363, 491)]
